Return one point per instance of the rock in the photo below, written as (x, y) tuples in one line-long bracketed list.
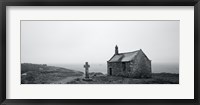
[(94, 74)]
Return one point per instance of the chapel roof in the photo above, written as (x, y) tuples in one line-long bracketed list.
[(124, 57)]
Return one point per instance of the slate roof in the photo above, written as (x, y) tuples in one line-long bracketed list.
[(124, 57)]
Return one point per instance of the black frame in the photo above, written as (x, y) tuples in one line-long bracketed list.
[(4, 3)]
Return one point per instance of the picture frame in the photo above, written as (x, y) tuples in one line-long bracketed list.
[(3, 52)]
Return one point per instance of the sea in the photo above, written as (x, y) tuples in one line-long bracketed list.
[(156, 67)]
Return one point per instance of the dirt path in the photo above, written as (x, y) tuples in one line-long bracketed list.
[(66, 80)]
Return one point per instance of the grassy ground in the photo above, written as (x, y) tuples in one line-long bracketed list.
[(43, 74), (46, 75), (158, 78)]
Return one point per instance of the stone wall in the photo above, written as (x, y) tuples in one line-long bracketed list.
[(142, 66), (117, 68)]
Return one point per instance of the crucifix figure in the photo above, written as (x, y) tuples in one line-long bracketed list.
[(86, 66)]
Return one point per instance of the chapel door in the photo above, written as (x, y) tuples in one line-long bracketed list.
[(123, 66), (110, 71)]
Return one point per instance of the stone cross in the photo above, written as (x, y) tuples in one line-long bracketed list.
[(86, 66)]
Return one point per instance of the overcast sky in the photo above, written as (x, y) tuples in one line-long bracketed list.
[(75, 42)]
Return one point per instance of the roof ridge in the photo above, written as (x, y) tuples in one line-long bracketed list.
[(122, 57), (129, 52)]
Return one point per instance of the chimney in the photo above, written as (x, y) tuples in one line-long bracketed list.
[(116, 50)]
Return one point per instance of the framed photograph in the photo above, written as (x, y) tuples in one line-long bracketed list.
[(99, 52)]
